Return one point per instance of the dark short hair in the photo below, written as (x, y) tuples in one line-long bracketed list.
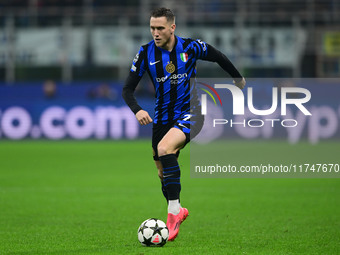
[(163, 12)]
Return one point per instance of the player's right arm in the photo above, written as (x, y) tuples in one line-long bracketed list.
[(143, 117), (136, 72)]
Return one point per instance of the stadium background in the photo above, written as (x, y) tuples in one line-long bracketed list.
[(62, 68), (75, 55)]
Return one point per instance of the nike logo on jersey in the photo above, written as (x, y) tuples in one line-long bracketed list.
[(153, 63), (180, 124)]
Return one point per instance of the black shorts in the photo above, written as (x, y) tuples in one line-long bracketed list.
[(190, 123)]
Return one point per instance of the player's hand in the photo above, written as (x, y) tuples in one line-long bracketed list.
[(241, 83), (143, 117)]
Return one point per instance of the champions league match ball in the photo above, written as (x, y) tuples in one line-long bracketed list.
[(153, 232)]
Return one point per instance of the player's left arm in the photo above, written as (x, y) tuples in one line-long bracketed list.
[(222, 60)]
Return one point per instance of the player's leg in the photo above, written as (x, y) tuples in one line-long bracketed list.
[(160, 175), (158, 132), (187, 127), (167, 149)]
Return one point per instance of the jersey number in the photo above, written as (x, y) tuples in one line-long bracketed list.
[(187, 116)]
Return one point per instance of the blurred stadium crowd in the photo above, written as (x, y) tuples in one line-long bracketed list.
[(255, 34), (201, 12), (63, 62)]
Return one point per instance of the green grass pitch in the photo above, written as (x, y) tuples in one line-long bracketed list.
[(89, 197)]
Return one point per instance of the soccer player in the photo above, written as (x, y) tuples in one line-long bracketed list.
[(170, 61)]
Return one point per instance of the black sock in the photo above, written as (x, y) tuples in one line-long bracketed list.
[(164, 192), (171, 176)]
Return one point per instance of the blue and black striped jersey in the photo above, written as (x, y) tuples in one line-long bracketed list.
[(170, 73)]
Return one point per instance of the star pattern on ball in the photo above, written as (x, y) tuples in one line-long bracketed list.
[(155, 229)]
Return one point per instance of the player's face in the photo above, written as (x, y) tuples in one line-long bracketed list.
[(162, 31)]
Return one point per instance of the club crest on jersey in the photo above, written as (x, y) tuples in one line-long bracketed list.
[(184, 57), (170, 68)]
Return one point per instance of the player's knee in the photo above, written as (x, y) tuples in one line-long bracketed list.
[(162, 149)]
